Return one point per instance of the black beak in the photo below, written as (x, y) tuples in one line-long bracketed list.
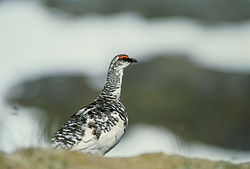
[(131, 60)]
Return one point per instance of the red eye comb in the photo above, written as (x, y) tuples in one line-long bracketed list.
[(123, 56)]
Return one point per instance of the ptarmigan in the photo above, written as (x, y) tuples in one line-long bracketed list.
[(99, 126)]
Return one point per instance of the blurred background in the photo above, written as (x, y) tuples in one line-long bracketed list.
[(189, 94)]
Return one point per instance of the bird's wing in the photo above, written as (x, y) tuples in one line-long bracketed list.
[(70, 133), (84, 128), (104, 129)]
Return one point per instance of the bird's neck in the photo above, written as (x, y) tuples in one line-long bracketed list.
[(112, 87)]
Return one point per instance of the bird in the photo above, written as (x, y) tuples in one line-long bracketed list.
[(98, 127)]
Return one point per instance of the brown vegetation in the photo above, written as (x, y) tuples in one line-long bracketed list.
[(34, 158)]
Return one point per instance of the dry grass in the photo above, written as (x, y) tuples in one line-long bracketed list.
[(36, 158)]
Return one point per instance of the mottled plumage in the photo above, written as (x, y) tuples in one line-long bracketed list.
[(98, 127)]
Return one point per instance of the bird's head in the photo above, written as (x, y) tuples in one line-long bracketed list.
[(121, 61)]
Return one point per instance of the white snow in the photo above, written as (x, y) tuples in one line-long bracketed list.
[(20, 128), (145, 138)]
